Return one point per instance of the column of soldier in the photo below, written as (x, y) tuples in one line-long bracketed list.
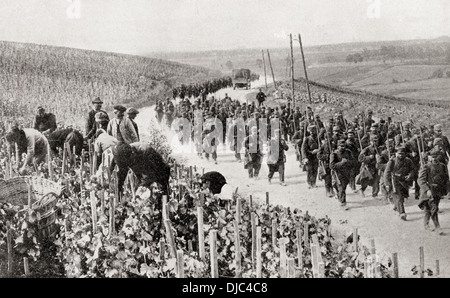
[(389, 157), (201, 89)]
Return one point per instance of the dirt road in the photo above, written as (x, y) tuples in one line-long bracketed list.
[(373, 218)]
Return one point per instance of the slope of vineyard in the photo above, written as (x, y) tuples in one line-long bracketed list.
[(64, 80)]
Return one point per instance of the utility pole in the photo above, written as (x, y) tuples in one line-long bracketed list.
[(271, 69), (292, 71), (304, 67), (264, 62)]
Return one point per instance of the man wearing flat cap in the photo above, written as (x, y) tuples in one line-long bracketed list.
[(398, 178), (121, 127), (132, 113), (90, 126), (44, 122), (368, 175)]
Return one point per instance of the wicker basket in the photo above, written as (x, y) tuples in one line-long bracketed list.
[(44, 196)]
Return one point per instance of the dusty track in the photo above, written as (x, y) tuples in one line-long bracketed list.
[(373, 218)]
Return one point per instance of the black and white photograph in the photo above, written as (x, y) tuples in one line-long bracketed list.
[(224, 143)]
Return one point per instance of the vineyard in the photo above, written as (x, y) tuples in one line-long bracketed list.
[(189, 233), (65, 80)]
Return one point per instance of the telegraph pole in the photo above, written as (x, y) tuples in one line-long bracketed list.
[(292, 71), (304, 67), (264, 62), (271, 69)]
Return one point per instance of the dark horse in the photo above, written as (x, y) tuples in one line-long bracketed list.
[(66, 135), (147, 164)]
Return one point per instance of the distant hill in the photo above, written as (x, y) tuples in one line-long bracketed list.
[(64, 80)]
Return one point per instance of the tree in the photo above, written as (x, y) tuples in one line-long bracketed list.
[(229, 64), (259, 63), (447, 55), (349, 58)]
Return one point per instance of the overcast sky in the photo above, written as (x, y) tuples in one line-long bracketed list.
[(143, 26)]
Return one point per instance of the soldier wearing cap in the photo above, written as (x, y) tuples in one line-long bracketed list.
[(324, 166), (132, 113), (353, 145), (341, 163), (121, 127), (276, 156), (382, 160), (413, 151), (368, 120), (44, 122), (433, 180), (398, 176), (439, 151), (90, 126), (369, 173), (310, 148), (437, 130), (253, 153)]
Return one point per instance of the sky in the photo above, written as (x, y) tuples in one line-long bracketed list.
[(144, 26)]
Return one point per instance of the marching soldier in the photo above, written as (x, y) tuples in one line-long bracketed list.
[(433, 180), (253, 153), (368, 160), (324, 165), (276, 160), (341, 163), (398, 176), (310, 148), (382, 160)]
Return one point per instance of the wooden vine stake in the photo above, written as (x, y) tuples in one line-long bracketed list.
[(283, 258), (49, 162), (213, 253), (258, 253), (253, 222), (26, 267), (201, 234), (355, 239), (437, 268), (180, 264), (299, 248), (93, 212), (274, 233), (267, 199), (395, 264), (237, 246), (64, 161), (170, 239), (290, 268), (422, 262), (112, 230), (10, 252), (161, 249), (238, 210)]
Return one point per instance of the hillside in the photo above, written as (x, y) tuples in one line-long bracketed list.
[(64, 80)]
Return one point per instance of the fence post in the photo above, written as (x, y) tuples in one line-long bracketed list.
[(258, 253), (201, 235), (213, 253), (237, 245)]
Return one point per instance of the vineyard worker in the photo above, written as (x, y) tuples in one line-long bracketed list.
[(132, 113), (433, 181), (102, 143), (260, 97), (341, 163), (90, 126), (32, 142), (121, 127), (216, 184), (44, 122), (398, 178)]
